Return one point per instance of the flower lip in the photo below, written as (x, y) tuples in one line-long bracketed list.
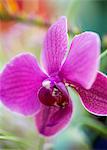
[(51, 94)]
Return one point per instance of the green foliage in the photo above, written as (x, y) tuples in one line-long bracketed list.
[(103, 62)]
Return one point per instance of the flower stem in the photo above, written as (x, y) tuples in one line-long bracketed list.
[(5, 136), (26, 20), (103, 54), (103, 62), (41, 143), (94, 124)]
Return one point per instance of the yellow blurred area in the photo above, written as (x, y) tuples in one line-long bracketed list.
[(1, 7), (26, 7), (12, 6), (9, 6)]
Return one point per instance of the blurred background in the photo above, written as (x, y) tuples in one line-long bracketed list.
[(23, 24)]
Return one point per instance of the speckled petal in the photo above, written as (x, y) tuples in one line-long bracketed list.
[(19, 82), (95, 99)]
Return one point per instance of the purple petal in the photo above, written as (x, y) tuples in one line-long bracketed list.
[(19, 83), (95, 99), (55, 46), (51, 120), (82, 61), (56, 109)]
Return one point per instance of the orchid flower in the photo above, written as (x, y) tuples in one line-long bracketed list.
[(27, 88)]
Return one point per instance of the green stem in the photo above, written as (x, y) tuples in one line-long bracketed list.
[(20, 142), (103, 54), (41, 142), (103, 61), (12, 138), (32, 21), (72, 6), (27, 20), (7, 136), (94, 124)]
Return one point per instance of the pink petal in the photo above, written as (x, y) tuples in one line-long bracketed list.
[(82, 61), (55, 46), (95, 99), (51, 120), (19, 83)]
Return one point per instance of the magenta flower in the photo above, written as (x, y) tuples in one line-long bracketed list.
[(27, 89)]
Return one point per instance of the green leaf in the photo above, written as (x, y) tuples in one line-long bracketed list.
[(103, 62)]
